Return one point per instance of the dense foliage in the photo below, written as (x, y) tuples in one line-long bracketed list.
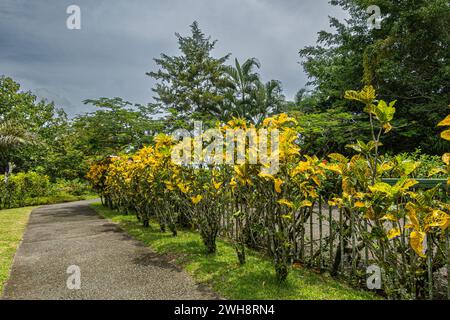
[(407, 59), (270, 210), (195, 85), (32, 188), (116, 126), (28, 129), (44, 155), (329, 151)]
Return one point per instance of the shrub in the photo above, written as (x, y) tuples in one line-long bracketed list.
[(74, 187), (32, 188)]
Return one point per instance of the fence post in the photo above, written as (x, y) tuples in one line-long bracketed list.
[(311, 235), (320, 233), (366, 249), (447, 244), (412, 259), (341, 238), (302, 240), (430, 267), (353, 235), (330, 216)]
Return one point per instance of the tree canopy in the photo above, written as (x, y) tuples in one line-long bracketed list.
[(407, 59), (192, 85), (197, 86)]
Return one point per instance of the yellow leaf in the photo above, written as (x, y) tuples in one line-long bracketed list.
[(169, 185), (416, 241), (266, 176), (306, 203), (412, 215), (394, 232), (370, 214), (386, 166), (301, 167), (408, 183), (446, 135), (366, 95), (286, 203), (335, 202), (351, 95), (437, 218), (445, 122), (435, 171), (381, 187), (278, 182), (183, 188), (334, 167), (217, 185), (283, 118), (338, 157), (446, 158), (238, 170), (389, 217), (316, 180), (359, 204), (196, 199)]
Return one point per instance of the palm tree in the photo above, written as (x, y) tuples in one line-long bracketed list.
[(268, 100), (12, 136), (243, 81)]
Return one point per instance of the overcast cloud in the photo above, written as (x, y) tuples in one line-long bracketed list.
[(118, 40)]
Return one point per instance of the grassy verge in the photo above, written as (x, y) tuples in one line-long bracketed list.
[(254, 280), (12, 226)]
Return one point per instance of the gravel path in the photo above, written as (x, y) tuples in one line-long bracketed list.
[(112, 264)]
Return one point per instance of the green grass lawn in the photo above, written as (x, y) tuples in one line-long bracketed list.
[(12, 226), (254, 280)]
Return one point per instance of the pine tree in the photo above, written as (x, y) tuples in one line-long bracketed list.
[(191, 85)]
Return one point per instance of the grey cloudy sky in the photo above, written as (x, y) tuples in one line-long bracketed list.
[(118, 40)]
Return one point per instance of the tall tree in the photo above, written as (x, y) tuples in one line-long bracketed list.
[(13, 135), (243, 80), (407, 59), (191, 85), (117, 126), (25, 118)]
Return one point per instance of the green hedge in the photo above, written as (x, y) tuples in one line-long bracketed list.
[(32, 188)]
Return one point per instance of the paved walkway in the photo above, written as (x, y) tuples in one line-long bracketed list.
[(112, 264)]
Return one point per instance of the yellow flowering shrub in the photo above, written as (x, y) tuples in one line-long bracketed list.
[(254, 205)]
